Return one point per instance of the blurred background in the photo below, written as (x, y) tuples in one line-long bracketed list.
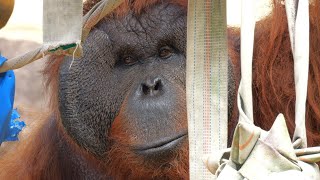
[(24, 33)]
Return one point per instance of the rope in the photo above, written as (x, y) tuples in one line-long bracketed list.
[(99, 11)]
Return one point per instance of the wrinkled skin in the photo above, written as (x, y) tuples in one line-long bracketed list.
[(128, 90), (120, 112)]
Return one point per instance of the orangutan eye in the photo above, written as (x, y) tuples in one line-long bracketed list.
[(129, 60), (165, 52)]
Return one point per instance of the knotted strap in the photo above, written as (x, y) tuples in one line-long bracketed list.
[(258, 154)]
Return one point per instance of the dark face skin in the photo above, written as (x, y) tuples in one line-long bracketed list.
[(129, 87)]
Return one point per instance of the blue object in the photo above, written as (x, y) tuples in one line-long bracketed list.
[(9, 126), (15, 126), (2, 60)]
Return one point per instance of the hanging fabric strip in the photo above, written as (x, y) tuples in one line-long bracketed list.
[(71, 48), (60, 26), (207, 82), (260, 154), (298, 23), (247, 37)]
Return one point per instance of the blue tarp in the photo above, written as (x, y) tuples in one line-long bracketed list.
[(9, 124)]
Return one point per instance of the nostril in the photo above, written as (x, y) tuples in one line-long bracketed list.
[(158, 85), (145, 89), (151, 87)]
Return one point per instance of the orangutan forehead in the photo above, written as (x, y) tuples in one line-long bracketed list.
[(164, 15), (136, 6), (160, 25)]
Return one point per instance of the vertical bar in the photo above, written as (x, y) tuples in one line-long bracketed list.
[(207, 82), (62, 22)]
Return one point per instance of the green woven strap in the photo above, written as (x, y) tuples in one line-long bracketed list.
[(207, 82)]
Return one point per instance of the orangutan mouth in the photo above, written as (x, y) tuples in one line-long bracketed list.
[(162, 146)]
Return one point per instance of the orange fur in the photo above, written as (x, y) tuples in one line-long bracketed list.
[(273, 86), (273, 83), (137, 6), (36, 157), (121, 156)]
